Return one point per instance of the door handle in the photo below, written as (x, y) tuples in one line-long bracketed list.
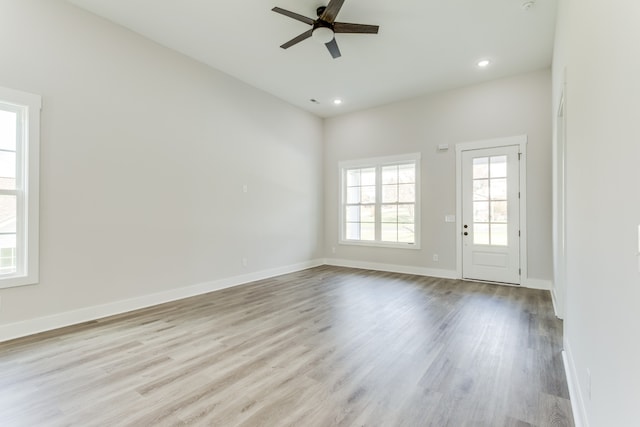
[(465, 233)]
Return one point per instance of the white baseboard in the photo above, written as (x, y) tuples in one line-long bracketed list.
[(393, 268), (541, 284), (554, 301), (42, 324), (577, 401)]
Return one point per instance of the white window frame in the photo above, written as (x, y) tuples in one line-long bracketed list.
[(28, 107), (378, 163)]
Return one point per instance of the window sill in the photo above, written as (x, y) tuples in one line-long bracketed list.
[(411, 246), (16, 281)]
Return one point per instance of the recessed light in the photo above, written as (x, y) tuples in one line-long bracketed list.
[(484, 63), (337, 101)]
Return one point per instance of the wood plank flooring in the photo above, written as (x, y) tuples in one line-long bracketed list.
[(326, 346)]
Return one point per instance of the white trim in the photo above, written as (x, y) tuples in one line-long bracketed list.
[(521, 141), (559, 196), (378, 162), (373, 161), (47, 323), (575, 394), (554, 301), (28, 195), (545, 285), (392, 268), (60, 320)]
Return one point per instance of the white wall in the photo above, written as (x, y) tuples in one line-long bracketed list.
[(144, 154), (597, 42), (506, 107)]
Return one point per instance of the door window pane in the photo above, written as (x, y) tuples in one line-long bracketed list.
[(480, 234), (498, 166), (490, 215), (481, 189), (499, 234), (480, 211), (499, 189), (480, 167), (499, 212)]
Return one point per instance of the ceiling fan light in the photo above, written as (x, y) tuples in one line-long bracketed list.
[(322, 34)]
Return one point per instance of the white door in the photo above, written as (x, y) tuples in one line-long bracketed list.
[(491, 214)]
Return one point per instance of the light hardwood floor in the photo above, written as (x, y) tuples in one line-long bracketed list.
[(322, 347)]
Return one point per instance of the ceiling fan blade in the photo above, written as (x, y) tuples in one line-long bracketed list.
[(333, 49), (331, 11), (344, 27), (293, 15), (297, 39)]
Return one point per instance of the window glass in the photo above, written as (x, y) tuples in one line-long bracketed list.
[(380, 201)]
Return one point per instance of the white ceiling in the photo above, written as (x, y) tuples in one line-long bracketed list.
[(423, 45)]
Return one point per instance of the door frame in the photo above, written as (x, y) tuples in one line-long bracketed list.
[(559, 220), (521, 142)]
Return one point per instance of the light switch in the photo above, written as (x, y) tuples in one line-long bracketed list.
[(450, 218)]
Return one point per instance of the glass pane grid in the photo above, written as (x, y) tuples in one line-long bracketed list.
[(490, 214), (396, 206), (8, 258)]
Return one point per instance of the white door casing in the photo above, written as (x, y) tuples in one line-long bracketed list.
[(491, 220)]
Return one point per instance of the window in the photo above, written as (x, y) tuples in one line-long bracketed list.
[(490, 201), (380, 201), (19, 163)]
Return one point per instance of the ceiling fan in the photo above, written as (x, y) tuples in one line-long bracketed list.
[(324, 28)]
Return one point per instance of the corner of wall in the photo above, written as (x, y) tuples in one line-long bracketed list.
[(575, 394)]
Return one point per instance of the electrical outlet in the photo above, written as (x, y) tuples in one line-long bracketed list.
[(333, 249), (244, 262), (435, 257), (589, 384)]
